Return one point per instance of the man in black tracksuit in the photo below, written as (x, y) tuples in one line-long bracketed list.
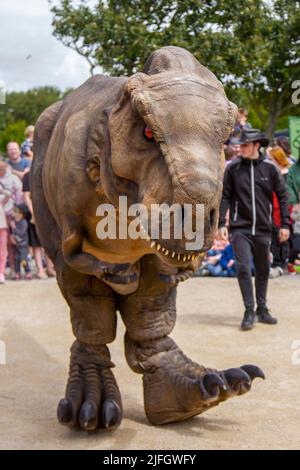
[(249, 183)]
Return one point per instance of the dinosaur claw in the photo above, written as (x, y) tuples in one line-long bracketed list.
[(253, 371), (88, 417), (238, 379), (65, 412), (212, 383), (111, 414)]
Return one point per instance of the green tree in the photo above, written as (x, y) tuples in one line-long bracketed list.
[(22, 109), (251, 45), (14, 132), (27, 105), (119, 35), (277, 46)]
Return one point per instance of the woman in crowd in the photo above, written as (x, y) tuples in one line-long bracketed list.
[(10, 195), (280, 251), (34, 242)]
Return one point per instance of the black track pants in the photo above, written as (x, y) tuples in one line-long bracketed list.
[(245, 246)]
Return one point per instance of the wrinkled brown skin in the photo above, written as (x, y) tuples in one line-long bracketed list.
[(89, 149)]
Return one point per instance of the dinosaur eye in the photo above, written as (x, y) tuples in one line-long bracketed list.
[(148, 133)]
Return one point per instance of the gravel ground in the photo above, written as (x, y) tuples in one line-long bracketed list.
[(34, 325)]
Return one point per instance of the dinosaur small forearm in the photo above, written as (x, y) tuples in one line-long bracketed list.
[(84, 263)]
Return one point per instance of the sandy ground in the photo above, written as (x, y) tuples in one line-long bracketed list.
[(35, 327)]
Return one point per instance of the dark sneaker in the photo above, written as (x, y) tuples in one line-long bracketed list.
[(264, 316), (248, 320)]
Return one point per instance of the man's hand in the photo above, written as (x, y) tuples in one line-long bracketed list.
[(284, 235), (223, 233)]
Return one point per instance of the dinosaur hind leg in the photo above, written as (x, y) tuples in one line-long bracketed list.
[(175, 387), (92, 398)]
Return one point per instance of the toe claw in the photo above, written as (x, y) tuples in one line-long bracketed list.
[(111, 414), (213, 383), (253, 371), (65, 412), (238, 379), (88, 417)]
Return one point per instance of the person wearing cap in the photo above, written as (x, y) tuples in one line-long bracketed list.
[(249, 183)]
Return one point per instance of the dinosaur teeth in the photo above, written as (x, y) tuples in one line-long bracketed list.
[(173, 254)]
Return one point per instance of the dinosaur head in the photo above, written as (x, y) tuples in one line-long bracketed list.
[(166, 138)]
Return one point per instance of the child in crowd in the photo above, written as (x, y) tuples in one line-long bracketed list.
[(19, 239), (27, 145), (211, 264), (227, 262)]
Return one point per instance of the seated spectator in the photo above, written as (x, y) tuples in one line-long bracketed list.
[(19, 166), (26, 147), (227, 262), (221, 264), (213, 256)]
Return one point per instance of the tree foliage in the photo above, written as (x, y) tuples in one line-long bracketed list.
[(252, 46), (13, 132), (22, 109)]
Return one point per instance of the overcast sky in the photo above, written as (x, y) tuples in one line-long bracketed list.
[(25, 30)]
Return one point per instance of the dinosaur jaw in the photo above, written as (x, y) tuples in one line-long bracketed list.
[(171, 257)]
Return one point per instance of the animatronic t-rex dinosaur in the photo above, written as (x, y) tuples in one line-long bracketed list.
[(155, 137)]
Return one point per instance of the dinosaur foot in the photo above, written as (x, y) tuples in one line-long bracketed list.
[(92, 398), (176, 388)]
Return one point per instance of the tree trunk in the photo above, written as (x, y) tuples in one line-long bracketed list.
[(273, 119)]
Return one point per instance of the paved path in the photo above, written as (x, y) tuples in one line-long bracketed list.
[(35, 327)]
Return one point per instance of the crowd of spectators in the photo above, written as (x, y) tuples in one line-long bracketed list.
[(21, 253), (20, 248), (285, 256)]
